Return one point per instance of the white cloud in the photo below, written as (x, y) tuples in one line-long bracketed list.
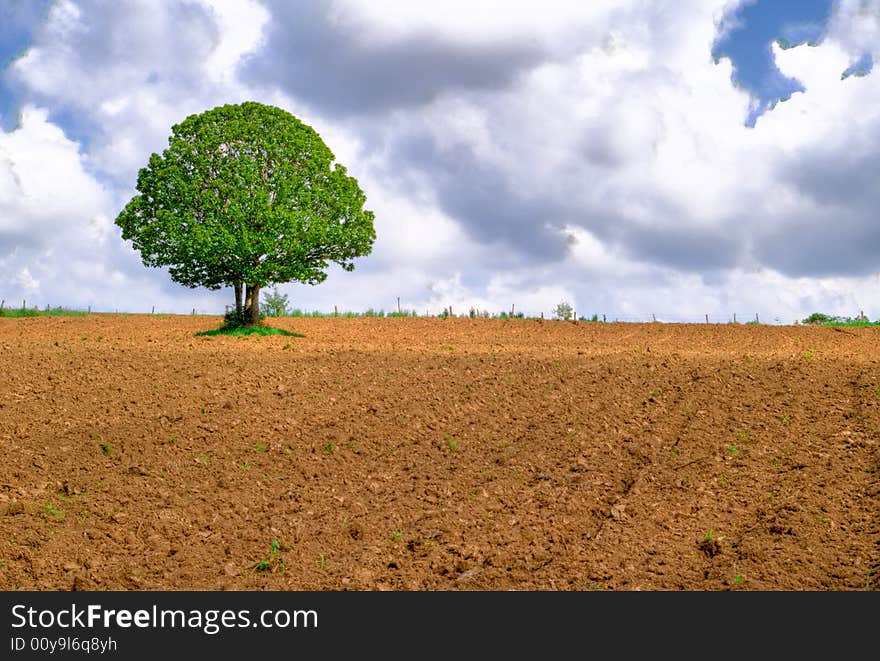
[(240, 24), (25, 280), (831, 111), (44, 186), (475, 22), (856, 27)]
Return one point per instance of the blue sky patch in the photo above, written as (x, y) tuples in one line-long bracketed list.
[(747, 36)]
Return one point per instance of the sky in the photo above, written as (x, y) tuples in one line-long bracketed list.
[(635, 158)]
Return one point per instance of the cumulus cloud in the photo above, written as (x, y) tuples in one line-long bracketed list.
[(855, 26), (44, 187), (325, 59), (826, 169), (612, 140)]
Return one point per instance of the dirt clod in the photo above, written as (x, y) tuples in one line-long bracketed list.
[(711, 547)]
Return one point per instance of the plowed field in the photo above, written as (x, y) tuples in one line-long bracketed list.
[(430, 454)]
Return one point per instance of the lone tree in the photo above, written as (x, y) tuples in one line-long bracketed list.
[(246, 196), (564, 311), (274, 304)]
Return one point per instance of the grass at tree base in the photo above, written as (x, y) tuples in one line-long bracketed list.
[(241, 331)]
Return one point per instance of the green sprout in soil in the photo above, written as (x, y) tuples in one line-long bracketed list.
[(274, 563), (52, 511), (710, 544)]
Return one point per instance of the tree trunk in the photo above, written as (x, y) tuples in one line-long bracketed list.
[(238, 308), (247, 302), (252, 305)]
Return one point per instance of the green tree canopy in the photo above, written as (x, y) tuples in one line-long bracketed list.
[(246, 195)]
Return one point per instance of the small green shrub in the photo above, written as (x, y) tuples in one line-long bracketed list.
[(564, 311), (233, 319), (818, 318)]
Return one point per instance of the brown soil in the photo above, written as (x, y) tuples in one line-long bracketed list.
[(429, 454)]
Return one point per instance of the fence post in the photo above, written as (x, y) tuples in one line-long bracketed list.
[(653, 317), (512, 309), (603, 318), (398, 305), (23, 304), (734, 317), (90, 310), (2, 303), (194, 312), (153, 311), (707, 318), (756, 318)]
